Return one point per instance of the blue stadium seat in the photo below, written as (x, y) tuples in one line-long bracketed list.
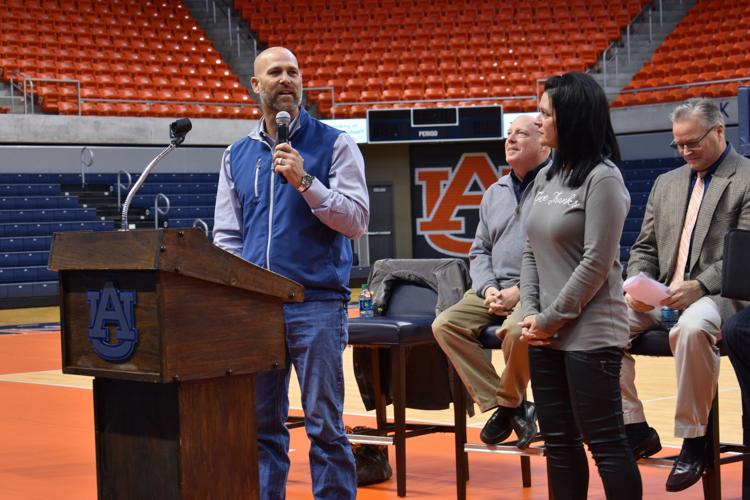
[(35, 202), (25, 243), (175, 200), (191, 212), (24, 290), (639, 198), (26, 274), (633, 224), (628, 238), (47, 215), (170, 188), (47, 228), (639, 186), (637, 211), (29, 189), (189, 222), (22, 259)]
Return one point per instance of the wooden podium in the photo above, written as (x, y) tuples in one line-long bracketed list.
[(173, 329)]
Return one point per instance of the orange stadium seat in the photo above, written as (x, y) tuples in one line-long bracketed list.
[(110, 46), (699, 50), (470, 40)]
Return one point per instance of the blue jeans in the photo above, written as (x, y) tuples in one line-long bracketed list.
[(316, 335), (577, 396)]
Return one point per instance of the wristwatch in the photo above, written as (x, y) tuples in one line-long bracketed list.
[(305, 182)]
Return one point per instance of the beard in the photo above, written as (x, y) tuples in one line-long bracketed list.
[(275, 103)]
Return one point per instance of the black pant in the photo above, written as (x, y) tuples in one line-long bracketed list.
[(577, 395), (736, 335)]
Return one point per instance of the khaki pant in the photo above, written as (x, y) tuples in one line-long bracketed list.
[(693, 342), (457, 329)]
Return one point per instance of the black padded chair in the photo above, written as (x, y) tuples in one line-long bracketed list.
[(656, 343), (489, 340), (406, 323)]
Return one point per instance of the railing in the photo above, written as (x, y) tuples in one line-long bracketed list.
[(87, 159), (28, 90), (158, 210), (202, 224), (613, 48), (122, 187), (452, 99), (234, 26), (684, 85)]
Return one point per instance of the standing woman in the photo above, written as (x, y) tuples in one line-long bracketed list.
[(575, 318)]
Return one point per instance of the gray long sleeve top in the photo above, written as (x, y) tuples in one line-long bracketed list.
[(495, 255), (571, 276)]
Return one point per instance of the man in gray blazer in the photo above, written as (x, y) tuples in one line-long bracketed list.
[(681, 244)]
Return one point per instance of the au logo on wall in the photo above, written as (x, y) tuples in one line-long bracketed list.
[(447, 188), (112, 330)]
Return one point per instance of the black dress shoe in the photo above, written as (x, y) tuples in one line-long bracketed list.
[(524, 424), (687, 469), (498, 428), (647, 446)]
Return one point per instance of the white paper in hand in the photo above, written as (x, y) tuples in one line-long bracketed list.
[(646, 290)]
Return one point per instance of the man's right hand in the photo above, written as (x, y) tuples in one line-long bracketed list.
[(501, 302), (490, 294), (637, 305)]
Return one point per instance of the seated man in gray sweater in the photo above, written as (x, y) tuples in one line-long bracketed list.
[(494, 298)]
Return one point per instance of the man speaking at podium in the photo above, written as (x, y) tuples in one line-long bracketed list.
[(291, 207)]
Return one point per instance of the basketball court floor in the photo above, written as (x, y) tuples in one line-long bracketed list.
[(47, 436)]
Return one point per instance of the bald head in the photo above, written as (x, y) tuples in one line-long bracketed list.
[(278, 83), (270, 55), (523, 148)]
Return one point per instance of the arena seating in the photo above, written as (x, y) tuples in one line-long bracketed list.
[(639, 178), (34, 206), (129, 51), (391, 50), (709, 44)]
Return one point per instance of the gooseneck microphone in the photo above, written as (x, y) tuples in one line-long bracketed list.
[(282, 131), (179, 129), (177, 132)]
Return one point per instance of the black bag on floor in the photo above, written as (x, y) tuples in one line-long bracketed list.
[(371, 460)]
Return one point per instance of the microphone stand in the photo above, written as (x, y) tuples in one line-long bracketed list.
[(176, 141)]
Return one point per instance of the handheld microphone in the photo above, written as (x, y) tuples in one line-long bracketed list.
[(282, 131)]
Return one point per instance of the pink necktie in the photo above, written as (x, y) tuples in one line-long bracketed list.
[(687, 230)]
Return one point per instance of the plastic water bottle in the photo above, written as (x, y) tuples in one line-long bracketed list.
[(669, 317), (365, 302)]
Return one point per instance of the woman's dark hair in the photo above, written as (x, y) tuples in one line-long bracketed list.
[(584, 129)]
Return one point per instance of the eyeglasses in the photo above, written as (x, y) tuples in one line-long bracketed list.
[(692, 144)]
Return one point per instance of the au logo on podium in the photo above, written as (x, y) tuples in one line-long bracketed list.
[(112, 329)]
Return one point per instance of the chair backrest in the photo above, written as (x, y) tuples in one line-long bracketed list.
[(410, 299)]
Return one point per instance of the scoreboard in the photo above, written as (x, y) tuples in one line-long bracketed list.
[(444, 124)]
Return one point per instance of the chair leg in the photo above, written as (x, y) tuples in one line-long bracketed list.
[(398, 383), (381, 417), (526, 471), (459, 423), (712, 476)]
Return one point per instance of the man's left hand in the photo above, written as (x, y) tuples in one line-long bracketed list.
[(288, 162), (505, 301), (683, 294)]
